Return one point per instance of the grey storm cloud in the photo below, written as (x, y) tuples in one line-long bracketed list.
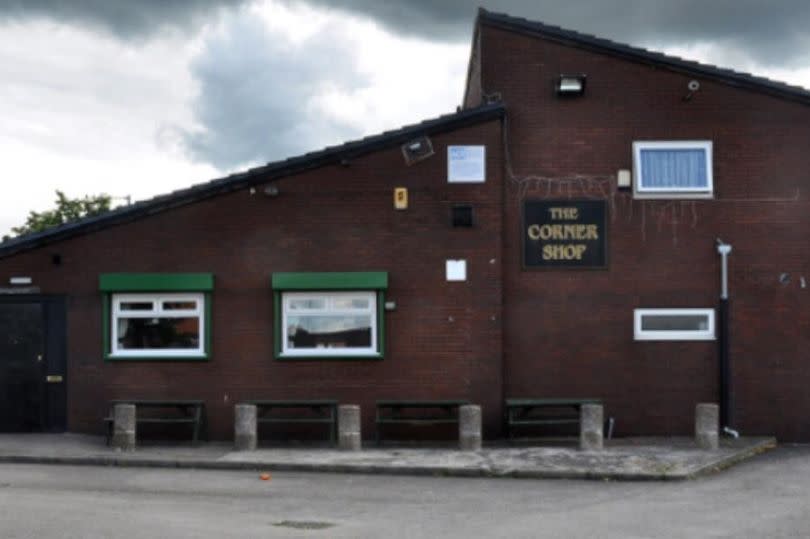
[(257, 94), (771, 32), (123, 18), (774, 32)]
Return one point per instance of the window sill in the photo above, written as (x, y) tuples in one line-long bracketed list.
[(113, 358), (348, 357), (673, 338), (673, 195)]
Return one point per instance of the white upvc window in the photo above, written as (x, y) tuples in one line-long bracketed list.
[(329, 324), (158, 325), (673, 324), (673, 169)]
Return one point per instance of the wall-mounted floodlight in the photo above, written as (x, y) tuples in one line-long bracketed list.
[(417, 150), (571, 84)]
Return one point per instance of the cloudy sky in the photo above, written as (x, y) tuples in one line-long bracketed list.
[(139, 97)]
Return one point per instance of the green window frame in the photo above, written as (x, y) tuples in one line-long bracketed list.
[(153, 287), (331, 284)]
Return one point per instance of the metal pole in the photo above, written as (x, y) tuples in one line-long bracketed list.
[(724, 361), (725, 366)]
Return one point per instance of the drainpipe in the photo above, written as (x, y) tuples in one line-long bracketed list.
[(726, 415)]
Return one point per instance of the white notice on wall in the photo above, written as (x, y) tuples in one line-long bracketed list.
[(456, 270), (466, 164)]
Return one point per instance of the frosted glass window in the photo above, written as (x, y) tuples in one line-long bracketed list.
[(679, 168), (673, 324)]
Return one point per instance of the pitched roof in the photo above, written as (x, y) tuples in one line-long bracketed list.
[(637, 54), (271, 171)]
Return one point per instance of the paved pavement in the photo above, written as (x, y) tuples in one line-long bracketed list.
[(764, 497), (624, 459)]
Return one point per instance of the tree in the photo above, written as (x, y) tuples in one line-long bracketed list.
[(66, 210)]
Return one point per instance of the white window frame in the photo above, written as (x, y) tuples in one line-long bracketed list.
[(666, 335), (672, 192), (372, 311), (157, 311)]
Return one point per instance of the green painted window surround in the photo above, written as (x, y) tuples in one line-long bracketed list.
[(156, 282), (327, 282), (110, 283), (351, 280)]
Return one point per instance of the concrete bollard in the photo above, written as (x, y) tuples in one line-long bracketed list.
[(124, 427), (707, 425), (469, 427), (244, 427), (591, 423), (349, 435)]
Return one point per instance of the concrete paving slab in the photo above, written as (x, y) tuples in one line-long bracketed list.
[(621, 459)]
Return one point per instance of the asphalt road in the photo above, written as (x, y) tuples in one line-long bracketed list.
[(768, 497)]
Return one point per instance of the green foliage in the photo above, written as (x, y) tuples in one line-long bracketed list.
[(66, 210)]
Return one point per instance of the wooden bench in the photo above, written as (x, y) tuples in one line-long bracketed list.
[(164, 412), (416, 412), (322, 411), (533, 412)]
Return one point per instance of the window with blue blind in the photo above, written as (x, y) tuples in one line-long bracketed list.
[(672, 169)]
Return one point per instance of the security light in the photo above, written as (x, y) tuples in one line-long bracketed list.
[(417, 150), (571, 84)]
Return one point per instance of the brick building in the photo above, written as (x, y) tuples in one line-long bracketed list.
[(557, 236)]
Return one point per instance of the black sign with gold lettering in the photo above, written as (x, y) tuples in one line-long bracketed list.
[(564, 234)]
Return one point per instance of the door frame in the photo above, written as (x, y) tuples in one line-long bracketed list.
[(54, 386)]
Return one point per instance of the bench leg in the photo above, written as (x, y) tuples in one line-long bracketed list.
[(332, 425), (195, 437), (508, 424)]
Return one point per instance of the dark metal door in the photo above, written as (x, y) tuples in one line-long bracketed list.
[(32, 364)]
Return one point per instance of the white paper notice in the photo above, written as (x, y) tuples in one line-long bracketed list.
[(456, 270), (466, 164)]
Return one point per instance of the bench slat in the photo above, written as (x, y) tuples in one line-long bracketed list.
[(189, 420), (421, 404), (158, 420), (418, 421), (294, 420), (316, 403), (544, 421), (550, 402)]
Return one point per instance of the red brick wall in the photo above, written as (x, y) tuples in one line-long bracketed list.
[(442, 341), (570, 333), (504, 332)]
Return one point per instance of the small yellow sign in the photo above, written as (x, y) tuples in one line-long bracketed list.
[(53, 378), (400, 198)]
